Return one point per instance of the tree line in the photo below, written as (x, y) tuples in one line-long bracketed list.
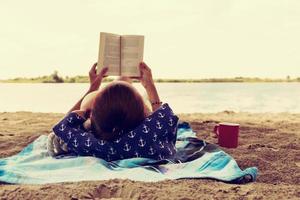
[(55, 78)]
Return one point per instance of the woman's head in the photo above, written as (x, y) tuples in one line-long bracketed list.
[(117, 107)]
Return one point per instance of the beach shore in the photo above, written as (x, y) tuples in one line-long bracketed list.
[(268, 141)]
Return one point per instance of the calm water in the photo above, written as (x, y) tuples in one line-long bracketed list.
[(183, 97)]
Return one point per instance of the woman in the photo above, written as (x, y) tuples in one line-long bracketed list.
[(113, 123)]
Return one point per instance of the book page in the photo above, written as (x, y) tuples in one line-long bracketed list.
[(132, 51), (109, 53)]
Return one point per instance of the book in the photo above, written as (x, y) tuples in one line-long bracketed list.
[(122, 54)]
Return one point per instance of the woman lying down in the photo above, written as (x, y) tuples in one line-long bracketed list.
[(115, 123)]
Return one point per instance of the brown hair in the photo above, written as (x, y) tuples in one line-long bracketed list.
[(118, 107)]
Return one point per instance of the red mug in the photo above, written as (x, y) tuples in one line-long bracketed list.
[(228, 134)]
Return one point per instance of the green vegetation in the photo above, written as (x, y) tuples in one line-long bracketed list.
[(229, 80), (55, 78)]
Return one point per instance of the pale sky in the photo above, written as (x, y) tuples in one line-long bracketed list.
[(183, 39)]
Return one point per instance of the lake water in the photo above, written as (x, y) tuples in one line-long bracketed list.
[(182, 97)]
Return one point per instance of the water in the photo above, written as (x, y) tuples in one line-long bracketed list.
[(182, 97)]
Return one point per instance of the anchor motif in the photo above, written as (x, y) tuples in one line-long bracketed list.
[(70, 120), (161, 145), (166, 132), (161, 115), (127, 147), (121, 132), (83, 134), (101, 142), (161, 157), (86, 150), (88, 142), (158, 125), (146, 129), (148, 119), (171, 122), (117, 140), (62, 127), (137, 154), (171, 153), (75, 143), (154, 137), (69, 134), (112, 151), (77, 116), (131, 134), (142, 142), (151, 151)]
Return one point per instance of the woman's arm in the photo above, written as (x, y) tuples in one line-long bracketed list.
[(95, 82), (148, 83), (88, 101), (77, 105)]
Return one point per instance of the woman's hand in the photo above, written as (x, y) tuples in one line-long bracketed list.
[(146, 75), (95, 79), (148, 83)]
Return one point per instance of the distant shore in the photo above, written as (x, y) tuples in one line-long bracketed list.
[(55, 78)]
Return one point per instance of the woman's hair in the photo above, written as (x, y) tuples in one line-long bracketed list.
[(118, 107)]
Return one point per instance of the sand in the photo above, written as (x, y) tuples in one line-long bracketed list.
[(269, 141)]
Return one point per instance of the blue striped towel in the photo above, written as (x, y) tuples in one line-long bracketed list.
[(194, 159)]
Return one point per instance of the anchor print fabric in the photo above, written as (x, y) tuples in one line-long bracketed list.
[(154, 138)]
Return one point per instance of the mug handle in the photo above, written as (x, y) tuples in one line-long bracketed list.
[(216, 130)]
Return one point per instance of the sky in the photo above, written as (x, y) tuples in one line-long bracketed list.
[(183, 39)]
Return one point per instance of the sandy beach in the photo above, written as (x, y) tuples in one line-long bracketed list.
[(270, 142)]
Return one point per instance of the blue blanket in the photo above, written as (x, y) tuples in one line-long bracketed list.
[(194, 159)]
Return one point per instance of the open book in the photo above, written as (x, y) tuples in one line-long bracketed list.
[(122, 54)]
